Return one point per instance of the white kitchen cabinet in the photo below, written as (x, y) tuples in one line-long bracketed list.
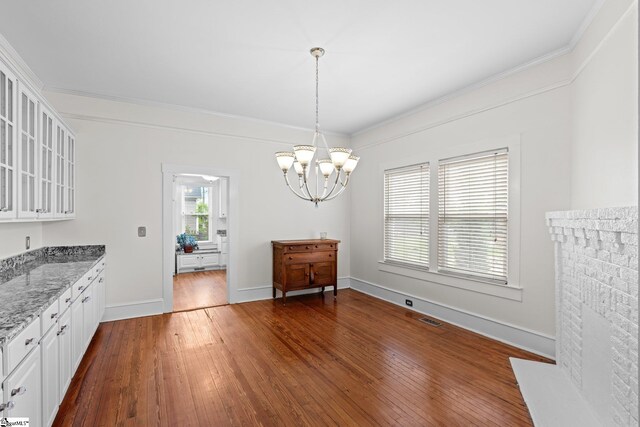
[(66, 356), (61, 170), (27, 153), (23, 389), (70, 210), (8, 152), (101, 295), (198, 262), (50, 347), (89, 313), (77, 331), (223, 197), (46, 162)]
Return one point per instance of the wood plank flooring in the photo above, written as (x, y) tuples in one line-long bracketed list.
[(199, 289), (316, 361)]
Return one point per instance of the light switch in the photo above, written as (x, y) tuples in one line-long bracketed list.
[(142, 231)]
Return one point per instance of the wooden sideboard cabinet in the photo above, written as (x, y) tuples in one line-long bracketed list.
[(304, 264)]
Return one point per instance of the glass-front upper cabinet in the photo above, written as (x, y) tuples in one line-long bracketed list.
[(7, 144), (71, 175), (61, 170), (27, 154), (45, 206)]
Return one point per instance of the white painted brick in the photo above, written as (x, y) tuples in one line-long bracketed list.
[(629, 275), (629, 239), (618, 259)]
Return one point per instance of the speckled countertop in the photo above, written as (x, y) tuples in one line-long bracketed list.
[(31, 282)]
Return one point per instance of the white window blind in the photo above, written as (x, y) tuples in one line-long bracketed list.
[(472, 215), (406, 215)]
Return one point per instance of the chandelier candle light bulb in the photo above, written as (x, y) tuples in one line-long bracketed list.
[(340, 161)]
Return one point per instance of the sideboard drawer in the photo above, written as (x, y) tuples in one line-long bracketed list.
[(22, 344), (296, 258), (310, 247), (83, 283), (65, 300)]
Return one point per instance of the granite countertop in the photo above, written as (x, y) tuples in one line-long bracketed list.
[(31, 282)]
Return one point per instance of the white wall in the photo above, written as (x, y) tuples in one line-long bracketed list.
[(604, 156), (575, 113), (12, 237), (120, 149)]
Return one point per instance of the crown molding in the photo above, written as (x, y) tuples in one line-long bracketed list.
[(575, 73), (241, 137), (13, 59), (184, 109), (588, 19), (468, 89)]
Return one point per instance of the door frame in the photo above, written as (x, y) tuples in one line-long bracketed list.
[(169, 171)]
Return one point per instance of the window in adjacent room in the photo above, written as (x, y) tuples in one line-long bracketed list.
[(473, 215), (196, 212), (406, 215)]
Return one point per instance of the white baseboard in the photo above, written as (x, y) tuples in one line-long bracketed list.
[(265, 292), (532, 341), (131, 310)]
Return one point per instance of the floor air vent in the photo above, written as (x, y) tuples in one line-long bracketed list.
[(430, 322)]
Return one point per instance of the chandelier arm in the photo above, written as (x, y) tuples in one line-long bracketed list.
[(326, 146), (286, 180), (335, 183), (344, 186), (306, 183)]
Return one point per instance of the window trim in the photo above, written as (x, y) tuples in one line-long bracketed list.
[(512, 289)]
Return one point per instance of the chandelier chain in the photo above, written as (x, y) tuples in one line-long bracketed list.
[(317, 102)]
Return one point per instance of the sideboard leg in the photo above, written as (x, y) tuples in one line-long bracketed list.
[(274, 292), (284, 298), (335, 291)]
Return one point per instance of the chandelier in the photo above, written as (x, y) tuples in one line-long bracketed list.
[(338, 162)]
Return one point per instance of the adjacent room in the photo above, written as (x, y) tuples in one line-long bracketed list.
[(354, 213)]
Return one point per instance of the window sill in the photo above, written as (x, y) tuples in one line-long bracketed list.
[(503, 291)]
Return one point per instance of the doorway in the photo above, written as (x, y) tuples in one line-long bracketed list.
[(200, 220), (196, 228)]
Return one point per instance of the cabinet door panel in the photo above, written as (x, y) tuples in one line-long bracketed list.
[(28, 153), (50, 376), (8, 150), (297, 276), (89, 314), (77, 344), (188, 261), (61, 170), (71, 176), (66, 355), (46, 151), (23, 388), (323, 273), (208, 260)]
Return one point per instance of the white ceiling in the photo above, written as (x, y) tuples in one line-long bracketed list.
[(250, 57)]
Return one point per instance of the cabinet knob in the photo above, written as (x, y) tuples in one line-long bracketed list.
[(85, 299), (316, 246), (28, 341), (290, 257), (18, 391), (290, 248), (329, 255), (306, 247), (62, 329), (8, 405), (82, 287), (54, 315)]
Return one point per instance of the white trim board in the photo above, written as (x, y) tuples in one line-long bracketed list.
[(260, 293), (133, 310), (534, 342)]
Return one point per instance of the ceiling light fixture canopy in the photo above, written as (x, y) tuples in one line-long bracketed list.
[(339, 161)]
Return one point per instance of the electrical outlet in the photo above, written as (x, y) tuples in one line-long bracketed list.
[(408, 302), (142, 231), (27, 242)]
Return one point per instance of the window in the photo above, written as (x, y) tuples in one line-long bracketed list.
[(472, 215), (406, 215), (196, 211)]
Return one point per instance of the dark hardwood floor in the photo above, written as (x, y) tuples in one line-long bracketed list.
[(199, 289), (316, 361)]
